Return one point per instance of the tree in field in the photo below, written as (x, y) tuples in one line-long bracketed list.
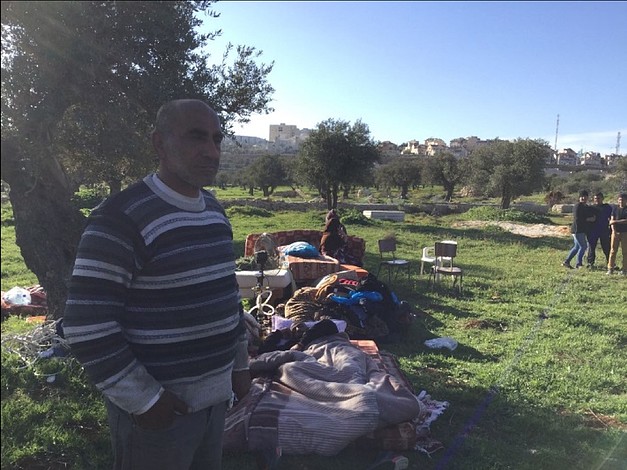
[(509, 169), (222, 180), (446, 170), (266, 173), (81, 85), (401, 172), (620, 171), (336, 155)]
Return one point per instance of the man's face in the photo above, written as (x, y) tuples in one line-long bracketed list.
[(190, 152), (621, 201), (598, 200)]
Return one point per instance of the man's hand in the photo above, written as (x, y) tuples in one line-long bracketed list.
[(241, 383), (162, 413)]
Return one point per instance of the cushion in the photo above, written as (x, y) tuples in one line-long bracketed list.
[(355, 246), (310, 269), (301, 250)]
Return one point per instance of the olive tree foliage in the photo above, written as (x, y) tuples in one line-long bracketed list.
[(445, 169), (508, 169), (266, 173), (570, 183), (222, 180), (336, 155), (620, 172), (401, 172), (81, 85), (573, 182), (109, 145)]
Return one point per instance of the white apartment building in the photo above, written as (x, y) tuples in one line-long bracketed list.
[(413, 147), (283, 132), (435, 146)]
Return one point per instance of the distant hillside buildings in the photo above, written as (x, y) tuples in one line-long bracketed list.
[(460, 147), (286, 139), (568, 157)]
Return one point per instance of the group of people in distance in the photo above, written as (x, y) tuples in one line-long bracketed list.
[(600, 223)]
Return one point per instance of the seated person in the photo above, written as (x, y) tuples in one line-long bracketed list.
[(333, 241), (332, 214)]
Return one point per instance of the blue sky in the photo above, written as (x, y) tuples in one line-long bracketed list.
[(414, 70)]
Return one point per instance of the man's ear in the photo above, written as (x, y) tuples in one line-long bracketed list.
[(157, 142)]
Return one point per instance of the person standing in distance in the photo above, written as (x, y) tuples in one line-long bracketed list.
[(581, 219), (153, 310), (618, 222), (599, 230)]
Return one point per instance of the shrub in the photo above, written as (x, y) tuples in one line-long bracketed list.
[(353, 216), (248, 211), (510, 215)]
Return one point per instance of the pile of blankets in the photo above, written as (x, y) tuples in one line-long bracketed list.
[(370, 309), (324, 398)]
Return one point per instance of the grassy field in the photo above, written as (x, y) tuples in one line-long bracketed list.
[(537, 381)]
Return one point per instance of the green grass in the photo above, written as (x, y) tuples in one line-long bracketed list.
[(14, 271), (510, 215), (537, 381)]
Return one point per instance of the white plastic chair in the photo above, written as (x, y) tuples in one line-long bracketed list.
[(428, 256)]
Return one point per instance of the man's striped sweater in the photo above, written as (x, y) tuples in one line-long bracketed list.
[(153, 302)]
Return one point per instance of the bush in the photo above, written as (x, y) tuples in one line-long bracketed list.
[(509, 215), (570, 185), (248, 211), (353, 216)]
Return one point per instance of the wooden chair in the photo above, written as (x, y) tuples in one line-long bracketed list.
[(428, 257), (387, 253), (446, 252)]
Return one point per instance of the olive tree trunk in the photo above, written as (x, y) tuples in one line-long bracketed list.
[(47, 225)]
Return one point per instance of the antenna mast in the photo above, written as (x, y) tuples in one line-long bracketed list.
[(618, 144), (557, 126)]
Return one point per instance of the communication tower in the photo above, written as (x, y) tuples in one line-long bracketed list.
[(557, 126), (618, 144)]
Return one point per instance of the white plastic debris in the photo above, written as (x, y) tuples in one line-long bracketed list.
[(439, 343), (17, 296), (47, 353)]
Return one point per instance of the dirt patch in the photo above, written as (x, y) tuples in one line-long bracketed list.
[(601, 421), (529, 230)]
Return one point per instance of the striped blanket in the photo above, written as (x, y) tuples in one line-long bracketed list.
[(317, 401)]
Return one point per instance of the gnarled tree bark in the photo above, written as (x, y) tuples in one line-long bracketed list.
[(47, 225)]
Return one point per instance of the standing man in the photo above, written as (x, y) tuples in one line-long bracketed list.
[(579, 228), (618, 222), (599, 230), (153, 311)]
